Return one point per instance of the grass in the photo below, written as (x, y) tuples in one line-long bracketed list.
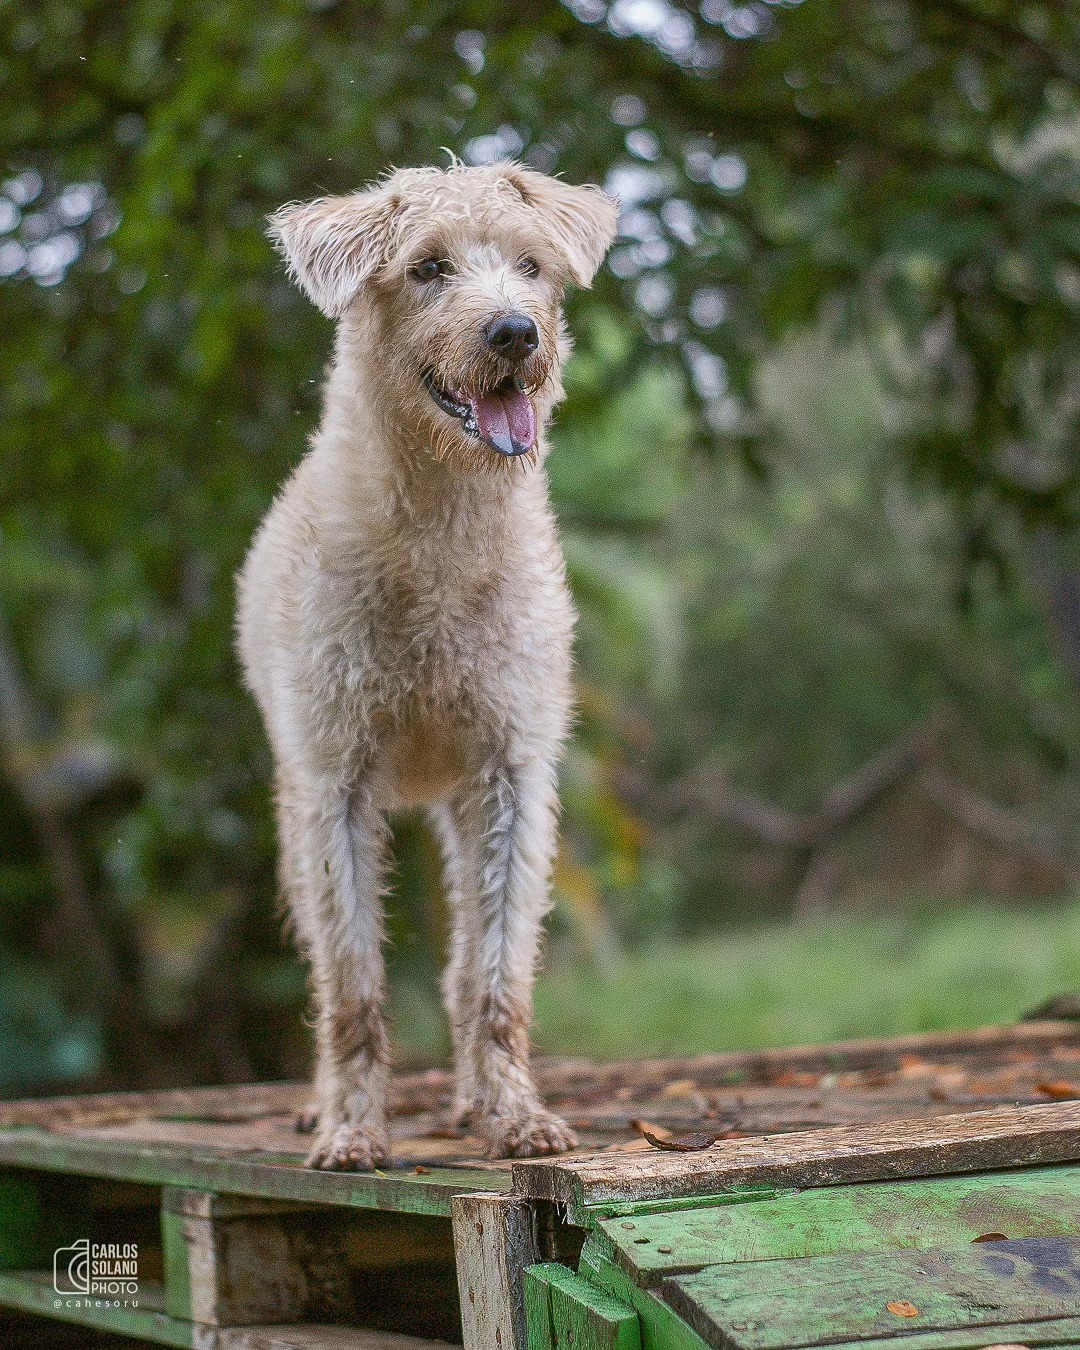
[(865, 975)]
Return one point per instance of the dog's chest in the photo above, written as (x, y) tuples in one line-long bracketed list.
[(426, 634)]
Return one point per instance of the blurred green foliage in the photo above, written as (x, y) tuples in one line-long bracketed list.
[(817, 469)]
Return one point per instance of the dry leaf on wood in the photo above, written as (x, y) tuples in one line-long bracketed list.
[(686, 1143)]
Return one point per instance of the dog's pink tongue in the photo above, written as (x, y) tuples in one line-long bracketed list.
[(506, 420)]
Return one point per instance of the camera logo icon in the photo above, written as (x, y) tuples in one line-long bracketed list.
[(71, 1268)]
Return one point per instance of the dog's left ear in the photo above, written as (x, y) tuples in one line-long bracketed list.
[(334, 244), (583, 219)]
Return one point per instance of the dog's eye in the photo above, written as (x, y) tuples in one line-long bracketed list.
[(430, 269), (529, 266)]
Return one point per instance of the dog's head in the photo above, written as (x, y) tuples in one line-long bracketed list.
[(454, 278)]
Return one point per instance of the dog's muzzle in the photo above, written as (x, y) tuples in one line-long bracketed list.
[(503, 418)]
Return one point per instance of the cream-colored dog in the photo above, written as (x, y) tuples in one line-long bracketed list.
[(405, 623)]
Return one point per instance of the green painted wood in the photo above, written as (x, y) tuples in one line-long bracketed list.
[(879, 1216), (537, 1308), (176, 1265), (33, 1292), (738, 1195), (771, 1305), (1058, 1331), (274, 1176), (661, 1328), (583, 1316)]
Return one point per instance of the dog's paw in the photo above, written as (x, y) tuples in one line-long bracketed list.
[(530, 1136), (349, 1148), (306, 1120)]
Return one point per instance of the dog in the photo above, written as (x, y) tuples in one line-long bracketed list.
[(405, 625)]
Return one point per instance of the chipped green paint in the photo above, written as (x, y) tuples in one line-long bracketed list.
[(771, 1305), (660, 1326), (538, 1328), (738, 1195), (877, 1216), (579, 1315), (1058, 1331), (273, 1176)]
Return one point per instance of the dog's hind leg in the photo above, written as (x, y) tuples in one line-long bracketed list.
[(509, 841), (339, 918)]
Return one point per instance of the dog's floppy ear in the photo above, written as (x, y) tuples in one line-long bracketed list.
[(333, 245), (582, 219)]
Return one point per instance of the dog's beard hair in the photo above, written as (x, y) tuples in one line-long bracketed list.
[(465, 364)]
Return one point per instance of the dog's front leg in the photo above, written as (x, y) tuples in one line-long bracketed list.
[(344, 846), (508, 827)]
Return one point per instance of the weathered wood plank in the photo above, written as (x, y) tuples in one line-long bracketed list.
[(236, 1272), (773, 1305), (990, 1044), (494, 1242), (1058, 1331), (426, 1192), (420, 1091), (317, 1338), (33, 1292), (661, 1327), (584, 1316), (235, 1261), (538, 1329), (972, 1141), (943, 1212)]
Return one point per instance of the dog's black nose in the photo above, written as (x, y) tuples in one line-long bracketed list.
[(512, 336)]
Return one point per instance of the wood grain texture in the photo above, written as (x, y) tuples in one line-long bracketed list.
[(773, 1305), (254, 1261), (879, 1216), (1058, 1331), (419, 1092), (585, 1317), (661, 1326), (493, 1246), (202, 1168), (972, 1141)]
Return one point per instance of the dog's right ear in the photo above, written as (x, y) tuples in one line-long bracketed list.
[(334, 244)]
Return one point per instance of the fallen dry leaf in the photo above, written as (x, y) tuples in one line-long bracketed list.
[(1059, 1090), (646, 1127), (990, 1237), (902, 1308), (420, 1169), (686, 1143)]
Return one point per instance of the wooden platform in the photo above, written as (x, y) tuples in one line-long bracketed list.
[(786, 1199)]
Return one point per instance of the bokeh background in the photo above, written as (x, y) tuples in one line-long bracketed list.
[(817, 475)]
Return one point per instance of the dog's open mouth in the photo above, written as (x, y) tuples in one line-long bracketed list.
[(503, 417)]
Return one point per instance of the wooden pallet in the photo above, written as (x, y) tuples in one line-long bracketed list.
[(919, 1189)]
